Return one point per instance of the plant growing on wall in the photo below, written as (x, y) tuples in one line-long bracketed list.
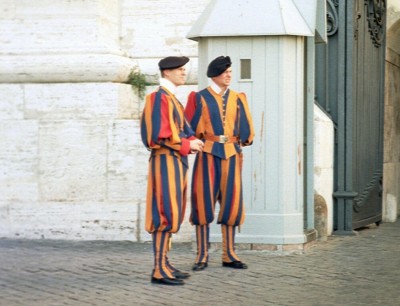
[(138, 82)]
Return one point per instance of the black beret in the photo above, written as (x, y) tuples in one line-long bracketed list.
[(172, 62), (218, 66)]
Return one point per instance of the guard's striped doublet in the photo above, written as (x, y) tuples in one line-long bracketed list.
[(212, 114), (166, 133), (163, 123), (217, 170)]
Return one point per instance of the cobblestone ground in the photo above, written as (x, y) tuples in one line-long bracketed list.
[(345, 270)]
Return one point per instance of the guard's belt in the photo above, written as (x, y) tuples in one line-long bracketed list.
[(221, 138)]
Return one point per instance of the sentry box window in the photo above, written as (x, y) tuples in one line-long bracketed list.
[(245, 69)]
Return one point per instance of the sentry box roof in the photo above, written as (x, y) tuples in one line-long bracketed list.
[(223, 18)]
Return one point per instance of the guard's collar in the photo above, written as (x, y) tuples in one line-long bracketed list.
[(168, 85), (216, 88)]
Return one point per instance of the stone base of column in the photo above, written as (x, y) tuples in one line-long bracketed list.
[(298, 248)]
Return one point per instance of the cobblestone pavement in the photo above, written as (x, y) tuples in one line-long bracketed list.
[(345, 270)]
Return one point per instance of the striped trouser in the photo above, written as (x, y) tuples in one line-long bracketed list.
[(215, 179), (228, 243), (166, 193), (162, 267)]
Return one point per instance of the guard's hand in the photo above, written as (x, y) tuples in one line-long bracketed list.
[(196, 145)]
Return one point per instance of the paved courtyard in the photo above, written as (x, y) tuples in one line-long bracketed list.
[(345, 270)]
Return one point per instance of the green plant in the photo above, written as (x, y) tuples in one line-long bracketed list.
[(138, 82)]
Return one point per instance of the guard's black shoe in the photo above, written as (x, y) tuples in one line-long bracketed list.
[(235, 265), (180, 275), (199, 266), (167, 281)]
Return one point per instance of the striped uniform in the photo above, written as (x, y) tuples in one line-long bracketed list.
[(167, 134), (217, 170)]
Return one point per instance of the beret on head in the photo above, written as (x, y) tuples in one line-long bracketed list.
[(218, 66), (172, 62)]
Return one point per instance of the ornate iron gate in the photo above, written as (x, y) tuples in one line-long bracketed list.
[(350, 88)]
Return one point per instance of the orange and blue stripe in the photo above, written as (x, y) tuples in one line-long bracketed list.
[(166, 193), (204, 111), (163, 131), (228, 244), (160, 249), (202, 239), (215, 179)]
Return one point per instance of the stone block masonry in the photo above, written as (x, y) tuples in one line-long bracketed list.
[(72, 163)]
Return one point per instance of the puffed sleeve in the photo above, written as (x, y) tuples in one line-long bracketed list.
[(246, 128), (149, 128), (159, 126), (193, 113)]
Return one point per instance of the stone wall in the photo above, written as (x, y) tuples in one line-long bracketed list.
[(391, 186), (324, 162), (72, 164), (391, 166), (71, 159), (153, 29)]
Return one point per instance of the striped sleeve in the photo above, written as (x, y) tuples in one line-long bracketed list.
[(193, 113), (159, 127), (246, 128)]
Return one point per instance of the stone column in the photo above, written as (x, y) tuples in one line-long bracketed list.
[(70, 167)]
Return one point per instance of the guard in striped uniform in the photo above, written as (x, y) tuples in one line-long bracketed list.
[(221, 118), (168, 136)]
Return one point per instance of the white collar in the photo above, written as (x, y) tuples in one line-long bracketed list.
[(216, 88), (168, 85)]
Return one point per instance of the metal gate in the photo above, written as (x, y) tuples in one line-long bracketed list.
[(350, 88)]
